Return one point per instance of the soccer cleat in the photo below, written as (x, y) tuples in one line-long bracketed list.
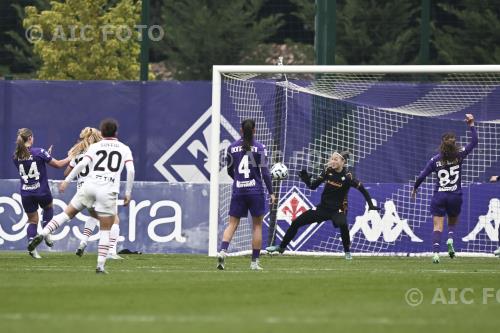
[(348, 256), (114, 257), (35, 242), (81, 249), (497, 252), (99, 270), (435, 258), (451, 250), (254, 266), (274, 248), (48, 240), (34, 254), (221, 260)]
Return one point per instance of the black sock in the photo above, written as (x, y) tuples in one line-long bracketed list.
[(289, 235), (346, 240)]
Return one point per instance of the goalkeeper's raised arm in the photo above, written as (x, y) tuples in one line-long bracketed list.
[(306, 178)]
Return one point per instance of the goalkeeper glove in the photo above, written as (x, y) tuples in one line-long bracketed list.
[(306, 178)]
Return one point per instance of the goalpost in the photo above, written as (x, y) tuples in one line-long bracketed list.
[(389, 117)]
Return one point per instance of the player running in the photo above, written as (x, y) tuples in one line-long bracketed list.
[(333, 206), (247, 166), (35, 191), (106, 159), (88, 136), (447, 198)]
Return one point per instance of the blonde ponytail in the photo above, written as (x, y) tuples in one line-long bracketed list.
[(88, 136), (22, 152)]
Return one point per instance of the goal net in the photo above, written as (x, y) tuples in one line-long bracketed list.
[(390, 118)]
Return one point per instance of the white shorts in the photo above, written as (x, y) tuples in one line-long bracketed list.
[(99, 196)]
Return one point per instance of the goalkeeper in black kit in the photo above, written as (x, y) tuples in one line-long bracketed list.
[(333, 205)]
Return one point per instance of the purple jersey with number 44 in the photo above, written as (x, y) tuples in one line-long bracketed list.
[(248, 168), (449, 174), (33, 172)]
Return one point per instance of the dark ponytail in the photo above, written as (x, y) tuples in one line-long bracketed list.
[(247, 127), (448, 148), (22, 152)]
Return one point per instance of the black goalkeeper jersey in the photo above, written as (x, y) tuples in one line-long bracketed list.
[(337, 185)]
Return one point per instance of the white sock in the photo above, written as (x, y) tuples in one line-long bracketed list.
[(89, 228), (55, 223), (113, 238), (103, 248)]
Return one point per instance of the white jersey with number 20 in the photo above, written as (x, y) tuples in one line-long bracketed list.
[(108, 157)]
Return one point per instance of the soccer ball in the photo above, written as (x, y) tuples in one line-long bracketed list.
[(279, 171)]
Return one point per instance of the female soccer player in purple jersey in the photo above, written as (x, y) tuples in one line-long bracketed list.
[(247, 166), (447, 198), (333, 206), (35, 191)]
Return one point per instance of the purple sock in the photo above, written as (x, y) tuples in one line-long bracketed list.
[(436, 240), (224, 245), (451, 230), (47, 215), (499, 237), (31, 231), (255, 254)]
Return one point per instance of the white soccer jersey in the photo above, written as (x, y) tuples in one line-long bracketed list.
[(80, 178), (108, 157)]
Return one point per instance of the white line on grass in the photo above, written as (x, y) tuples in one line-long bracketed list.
[(295, 270), (219, 318)]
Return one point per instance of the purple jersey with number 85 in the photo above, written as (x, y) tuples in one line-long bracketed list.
[(449, 173)]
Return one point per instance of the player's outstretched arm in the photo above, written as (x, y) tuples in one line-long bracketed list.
[(76, 170), (356, 183), (494, 178), (307, 179), (469, 119), (67, 170), (59, 163)]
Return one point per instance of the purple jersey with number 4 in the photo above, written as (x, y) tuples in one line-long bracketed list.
[(33, 173), (248, 169), (449, 174)]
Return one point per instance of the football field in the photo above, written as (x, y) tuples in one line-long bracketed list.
[(185, 293)]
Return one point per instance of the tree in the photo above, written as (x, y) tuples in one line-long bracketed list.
[(377, 32), (17, 52), (87, 40), (371, 32), (201, 33), (469, 34)]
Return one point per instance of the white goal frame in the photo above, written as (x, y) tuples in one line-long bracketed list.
[(218, 71)]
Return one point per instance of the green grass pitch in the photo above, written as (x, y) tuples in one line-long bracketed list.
[(185, 293)]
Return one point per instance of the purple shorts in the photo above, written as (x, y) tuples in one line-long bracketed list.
[(241, 204), (444, 203), (31, 202)]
